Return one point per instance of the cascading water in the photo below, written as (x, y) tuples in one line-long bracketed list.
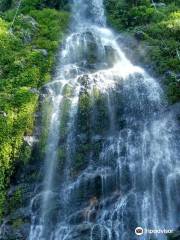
[(111, 159)]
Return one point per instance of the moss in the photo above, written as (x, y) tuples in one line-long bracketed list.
[(102, 114), (17, 223), (82, 156), (79, 162), (84, 112), (61, 157), (83, 127), (15, 200), (68, 91), (46, 110), (61, 153), (65, 110)]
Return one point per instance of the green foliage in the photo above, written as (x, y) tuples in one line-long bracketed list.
[(160, 30), (27, 57), (28, 5), (15, 200), (5, 4)]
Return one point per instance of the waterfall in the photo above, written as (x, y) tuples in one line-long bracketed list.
[(111, 161)]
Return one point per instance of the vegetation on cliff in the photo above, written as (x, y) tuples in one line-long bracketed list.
[(27, 54), (156, 25)]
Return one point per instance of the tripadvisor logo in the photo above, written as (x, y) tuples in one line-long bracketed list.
[(139, 231)]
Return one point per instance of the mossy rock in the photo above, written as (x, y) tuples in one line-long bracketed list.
[(16, 199)]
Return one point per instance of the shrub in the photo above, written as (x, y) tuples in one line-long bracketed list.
[(25, 65)]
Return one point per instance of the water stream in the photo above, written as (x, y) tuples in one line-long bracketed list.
[(111, 159)]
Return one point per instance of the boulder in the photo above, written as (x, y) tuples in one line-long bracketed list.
[(30, 140)]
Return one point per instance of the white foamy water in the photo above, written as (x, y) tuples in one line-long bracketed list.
[(132, 179)]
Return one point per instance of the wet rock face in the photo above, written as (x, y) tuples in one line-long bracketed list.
[(91, 11), (18, 231), (17, 223), (91, 55), (175, 235), (80, 232), (88, 52), (84, 47), (111, 55)]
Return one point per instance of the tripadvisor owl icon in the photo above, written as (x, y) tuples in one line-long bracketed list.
[(139, 231)]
